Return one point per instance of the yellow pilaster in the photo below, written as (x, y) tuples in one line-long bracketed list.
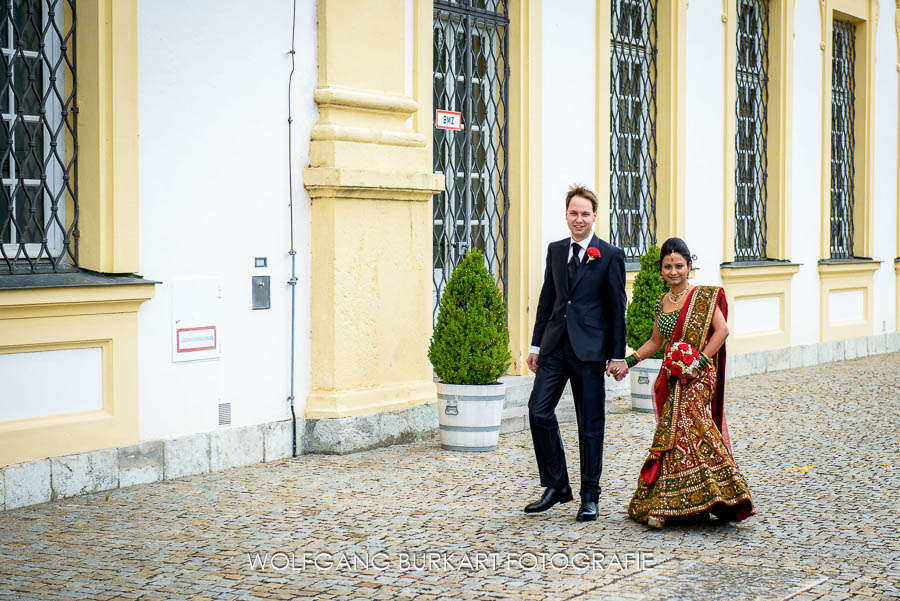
[(371, 186), (671, 118), (526, 260), (602, 125), (108, 136)]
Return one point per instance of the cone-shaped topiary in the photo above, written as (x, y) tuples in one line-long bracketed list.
[(470, 344), (649, 285)]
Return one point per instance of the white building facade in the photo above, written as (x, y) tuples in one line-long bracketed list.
[(253, 277)]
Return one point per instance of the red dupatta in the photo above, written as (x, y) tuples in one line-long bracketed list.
[(698, 310)]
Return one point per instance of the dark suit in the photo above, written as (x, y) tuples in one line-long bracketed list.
[(578, 332)]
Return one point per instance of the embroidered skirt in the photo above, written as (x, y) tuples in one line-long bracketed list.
[(696, 472)]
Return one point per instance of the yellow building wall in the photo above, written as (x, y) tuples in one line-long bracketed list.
[(847, 277), (371, 186), (853, 276), (34, 320), (50, 319), (755, 283)]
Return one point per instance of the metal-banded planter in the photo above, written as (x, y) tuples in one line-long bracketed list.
[(642, 377), (470, 416)]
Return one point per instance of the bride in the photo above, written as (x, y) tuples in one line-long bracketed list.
[(690, 470)]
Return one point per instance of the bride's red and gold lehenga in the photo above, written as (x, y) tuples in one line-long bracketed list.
[(690, 469)]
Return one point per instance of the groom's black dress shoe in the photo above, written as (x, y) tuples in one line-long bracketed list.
[(551, 497), (587, 512)]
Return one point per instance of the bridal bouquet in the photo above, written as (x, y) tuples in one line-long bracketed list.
[(682, 361)]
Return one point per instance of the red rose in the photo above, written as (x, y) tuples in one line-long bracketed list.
[(676, 355), (696, 354), (684, 346), (676, 370), (688, 359), (667, 363), (593, 252)]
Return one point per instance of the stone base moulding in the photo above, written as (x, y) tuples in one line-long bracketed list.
[(91, 472), (339, 436), (811, 354)]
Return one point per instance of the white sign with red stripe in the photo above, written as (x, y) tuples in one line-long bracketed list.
[(191, 340), (447, 120)]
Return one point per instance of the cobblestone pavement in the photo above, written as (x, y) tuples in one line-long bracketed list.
[(818, 445)]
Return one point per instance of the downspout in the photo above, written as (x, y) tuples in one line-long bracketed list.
[(293, 252)]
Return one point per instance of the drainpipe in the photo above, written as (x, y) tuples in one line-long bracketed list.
[(293, 253)]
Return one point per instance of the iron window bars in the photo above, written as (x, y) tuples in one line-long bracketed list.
[(471, 73), (633, 126), (843, 114), (752, 103), (38, 195)]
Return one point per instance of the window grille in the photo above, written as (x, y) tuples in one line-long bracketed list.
[(843, 116), (38, 195), (471, 73), (633, 126), (751, 132)]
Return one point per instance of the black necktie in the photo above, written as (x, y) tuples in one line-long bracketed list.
[(573, 264)]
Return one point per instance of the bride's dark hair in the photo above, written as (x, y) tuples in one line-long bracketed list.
[(676, 245)]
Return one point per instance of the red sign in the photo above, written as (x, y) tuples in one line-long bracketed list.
[(448, 120)]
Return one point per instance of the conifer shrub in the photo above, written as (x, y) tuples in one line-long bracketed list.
[(649, 285), (470, 344)]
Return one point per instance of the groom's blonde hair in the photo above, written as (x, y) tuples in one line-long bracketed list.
[(584, 192)]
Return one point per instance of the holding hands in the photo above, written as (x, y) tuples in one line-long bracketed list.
[(617, 369)]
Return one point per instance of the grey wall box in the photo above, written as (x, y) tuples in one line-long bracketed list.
[(261, 291)]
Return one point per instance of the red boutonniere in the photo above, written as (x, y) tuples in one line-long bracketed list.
[(593, 253)]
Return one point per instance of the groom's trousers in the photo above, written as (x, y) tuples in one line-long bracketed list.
[(587, 378)]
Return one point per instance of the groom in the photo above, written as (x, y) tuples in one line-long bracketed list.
[(579, 334)]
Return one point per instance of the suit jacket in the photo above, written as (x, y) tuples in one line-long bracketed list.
[(594, 313)]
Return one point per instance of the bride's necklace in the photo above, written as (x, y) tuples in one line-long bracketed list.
[(677, 297)]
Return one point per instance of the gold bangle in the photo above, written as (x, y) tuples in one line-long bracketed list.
[(638, 355)]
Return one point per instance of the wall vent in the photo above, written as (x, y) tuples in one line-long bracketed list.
[(224, 414)]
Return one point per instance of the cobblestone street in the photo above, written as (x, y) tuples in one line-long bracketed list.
[(818, 445)]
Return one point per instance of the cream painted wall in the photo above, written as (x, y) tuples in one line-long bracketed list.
[(568, 109), (409, 50), (885, 168), (806, 177), (76, 384), (704, 225), (214, 195)]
